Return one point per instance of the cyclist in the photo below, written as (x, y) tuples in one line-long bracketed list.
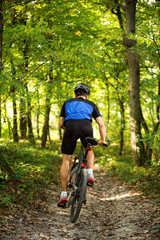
[(75, 118)]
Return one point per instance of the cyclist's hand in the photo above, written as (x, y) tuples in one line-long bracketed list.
[(101, 142)]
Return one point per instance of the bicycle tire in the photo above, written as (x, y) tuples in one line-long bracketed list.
[(71, 185), (79, 196)]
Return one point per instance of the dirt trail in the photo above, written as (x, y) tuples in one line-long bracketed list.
[(113, 212)]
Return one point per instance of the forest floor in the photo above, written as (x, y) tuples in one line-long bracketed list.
[(113, 211)]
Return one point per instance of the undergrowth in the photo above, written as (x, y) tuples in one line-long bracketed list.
[(34, 169), (37, 168), (121, 167)]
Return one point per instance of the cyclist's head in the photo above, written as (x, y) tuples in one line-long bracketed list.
[(81, 90)]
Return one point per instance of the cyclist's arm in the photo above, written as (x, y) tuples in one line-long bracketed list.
[(102, 130), (61, 123)]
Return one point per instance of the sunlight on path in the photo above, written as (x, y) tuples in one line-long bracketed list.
[(118, 197)]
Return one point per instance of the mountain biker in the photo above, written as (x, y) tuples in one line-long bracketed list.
[(75, 118)]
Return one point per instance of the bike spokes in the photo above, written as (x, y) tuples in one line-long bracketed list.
[(79, 196)]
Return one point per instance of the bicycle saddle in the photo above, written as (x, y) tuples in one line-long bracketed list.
[(91, 141)]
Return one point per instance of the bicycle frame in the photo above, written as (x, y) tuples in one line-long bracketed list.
[(78, 179), (82, 161)]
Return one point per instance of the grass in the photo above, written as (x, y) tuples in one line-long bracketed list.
[(34, 168), (37, 168)]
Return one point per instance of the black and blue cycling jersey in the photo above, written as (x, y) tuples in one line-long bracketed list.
[(78, 109)]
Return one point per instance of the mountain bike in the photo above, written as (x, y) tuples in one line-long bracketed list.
[(77, 184)]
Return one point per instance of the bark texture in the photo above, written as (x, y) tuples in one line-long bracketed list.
[(138, 150)]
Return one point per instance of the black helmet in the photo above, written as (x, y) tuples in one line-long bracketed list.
[(82, 89)]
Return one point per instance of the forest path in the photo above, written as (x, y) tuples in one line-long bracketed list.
[(113, 211)]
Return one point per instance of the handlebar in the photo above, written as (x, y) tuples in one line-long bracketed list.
[(93, 141)]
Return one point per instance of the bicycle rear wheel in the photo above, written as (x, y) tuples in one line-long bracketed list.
[(79, 196), (71, 184)]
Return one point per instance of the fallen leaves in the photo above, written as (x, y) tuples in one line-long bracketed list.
[(127, 217)]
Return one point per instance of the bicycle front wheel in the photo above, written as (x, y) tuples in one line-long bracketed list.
[(79, 196)]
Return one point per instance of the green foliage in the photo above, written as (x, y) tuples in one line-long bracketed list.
[(79, 41), (34, 169), (146, 179), (37, 168)]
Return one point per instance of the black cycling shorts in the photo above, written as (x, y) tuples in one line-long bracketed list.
[(75, 129)]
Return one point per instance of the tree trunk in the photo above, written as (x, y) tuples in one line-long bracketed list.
[(30, 128), (138, 150), (7, 119), (14, 105), (29, 119), (23, 102), (15, 125), (37, 114), (49, 135), (23, 118), (46, 123), (45, 130), (121, 104), (1, 40)]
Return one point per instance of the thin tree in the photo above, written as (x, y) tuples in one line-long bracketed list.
[(1, 40), (138, 150), (45, 130)]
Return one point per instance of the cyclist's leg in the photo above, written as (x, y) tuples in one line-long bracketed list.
[(90, 159), (90, 163), (68, 147), (88, 132), (65, 171), (64, 177)]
